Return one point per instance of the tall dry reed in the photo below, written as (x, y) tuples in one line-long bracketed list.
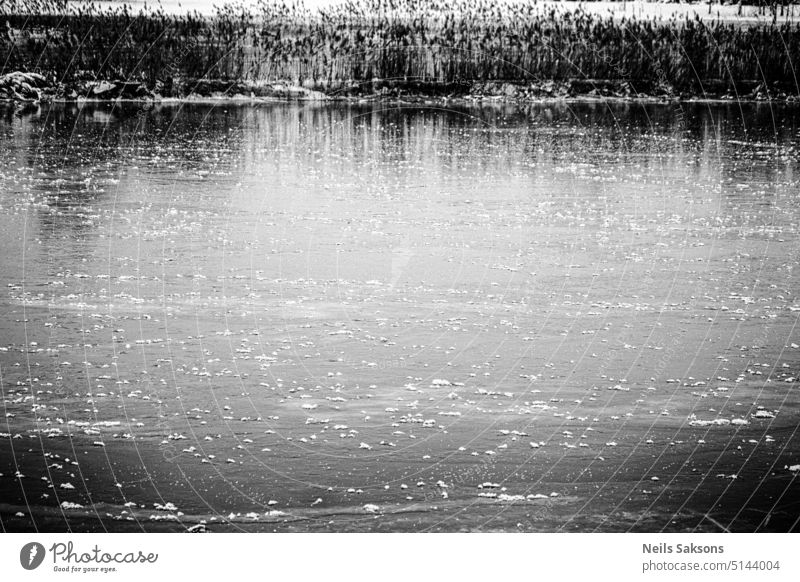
[(362, 40)]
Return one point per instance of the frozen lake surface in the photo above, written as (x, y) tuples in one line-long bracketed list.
[(556, 317)]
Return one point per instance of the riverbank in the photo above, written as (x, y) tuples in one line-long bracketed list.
[(471, 50), (32, 87)]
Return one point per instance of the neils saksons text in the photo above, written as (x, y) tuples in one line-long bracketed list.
[(664, 548)]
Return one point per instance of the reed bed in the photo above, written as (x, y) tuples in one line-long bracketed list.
[(458, 41)]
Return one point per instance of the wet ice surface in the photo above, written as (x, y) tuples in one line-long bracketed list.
[(380, 318)]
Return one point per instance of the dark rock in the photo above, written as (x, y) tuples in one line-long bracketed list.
[(135, 90), (18, 86), (213, 87), (116, 90), (33, 79)]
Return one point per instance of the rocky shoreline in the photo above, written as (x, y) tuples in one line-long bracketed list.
[(23, 87)]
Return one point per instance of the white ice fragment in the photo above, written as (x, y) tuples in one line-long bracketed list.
[(70, 505), (763, 414)]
